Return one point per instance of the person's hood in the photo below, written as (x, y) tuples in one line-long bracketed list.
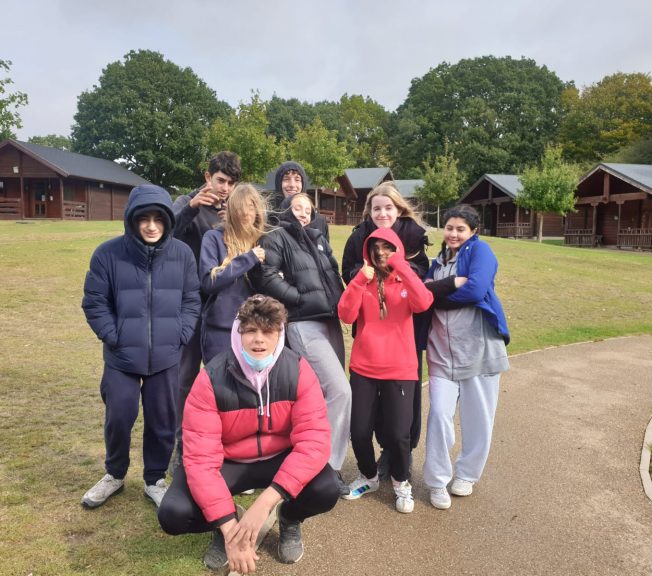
[(386, 234), (144, 198), (284, 168)]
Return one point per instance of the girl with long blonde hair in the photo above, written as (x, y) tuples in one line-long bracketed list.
[(228, 254)]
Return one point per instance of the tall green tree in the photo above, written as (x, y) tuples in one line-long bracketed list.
[(610, 115), (442, 182), (497, 113), (285, 116), (9, 104), (320, 153), (245, 133), (365, 124), (150, 114), (549, 187), (52, 140)]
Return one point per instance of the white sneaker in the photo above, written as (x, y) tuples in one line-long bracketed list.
[(362, 485), (155, 492), (440, 498), (248, 492), (461, 487), (101, 492), (404, 500)]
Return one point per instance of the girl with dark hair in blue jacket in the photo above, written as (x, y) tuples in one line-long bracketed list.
[(466, 355)]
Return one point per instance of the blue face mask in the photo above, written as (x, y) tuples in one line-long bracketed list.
[(257, 364)]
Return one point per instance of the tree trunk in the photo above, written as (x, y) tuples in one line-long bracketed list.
[(437, 216), (540, 231)]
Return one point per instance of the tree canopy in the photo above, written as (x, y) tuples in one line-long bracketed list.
[(442, 181), (322, 156), (52, 140), (9, 104), (612, 114), (497, 113), (150, 114), (549, 187), (245, 133)]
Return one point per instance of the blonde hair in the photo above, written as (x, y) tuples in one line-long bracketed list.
[(405, 210), (305, 196), (238, 238)]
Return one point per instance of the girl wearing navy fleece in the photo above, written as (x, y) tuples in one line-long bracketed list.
[(466, 354), (228, 254)]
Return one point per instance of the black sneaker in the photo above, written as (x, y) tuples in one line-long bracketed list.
[(290, 545), (343, 486), (215, 558)]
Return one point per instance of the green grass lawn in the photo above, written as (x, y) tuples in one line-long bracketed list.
[(51, 413)]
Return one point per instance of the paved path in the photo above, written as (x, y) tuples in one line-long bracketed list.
[(561, 494)]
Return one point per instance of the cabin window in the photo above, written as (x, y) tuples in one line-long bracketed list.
[(68, 193)]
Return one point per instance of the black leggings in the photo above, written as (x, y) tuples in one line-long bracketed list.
[(179, 514), (396, 401)]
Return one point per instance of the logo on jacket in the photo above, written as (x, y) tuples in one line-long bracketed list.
[(404, 293)]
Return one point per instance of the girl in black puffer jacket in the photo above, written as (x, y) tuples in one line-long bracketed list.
[(300, 271)]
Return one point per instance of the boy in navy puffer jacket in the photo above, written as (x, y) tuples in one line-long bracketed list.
[(141, 298)]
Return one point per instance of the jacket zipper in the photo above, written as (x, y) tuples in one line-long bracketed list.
[(150, 257)]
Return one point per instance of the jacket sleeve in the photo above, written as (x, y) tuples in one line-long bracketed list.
[(310, 436), (184, 214), (213, 253), (419, 263), (191, 301), (352, 258), (271, 280), (348, 308), (98, 300), (481, 273), (419, 297), (203, 453)]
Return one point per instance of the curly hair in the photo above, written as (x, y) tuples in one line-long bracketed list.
[(263, 312), (226, 162)]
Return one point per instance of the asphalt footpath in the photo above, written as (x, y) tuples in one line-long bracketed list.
[(561, 493)]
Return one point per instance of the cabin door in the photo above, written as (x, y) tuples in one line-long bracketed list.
[(39, 200)]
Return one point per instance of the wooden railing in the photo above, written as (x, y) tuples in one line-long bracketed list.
[(74, 210), (9, 208), (582, 237), (513, 230), (635, 238)]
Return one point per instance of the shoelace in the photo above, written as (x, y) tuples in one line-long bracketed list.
[(404, 490)]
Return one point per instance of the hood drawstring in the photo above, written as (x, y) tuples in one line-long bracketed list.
[(261, 402)]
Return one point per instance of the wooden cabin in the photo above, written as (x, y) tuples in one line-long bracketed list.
[(42, 182), (494, 195), (356, 184), (614, 208)]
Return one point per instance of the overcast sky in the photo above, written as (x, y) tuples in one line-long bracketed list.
[(311, 50)]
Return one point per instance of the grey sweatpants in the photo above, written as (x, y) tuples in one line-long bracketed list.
[(321, 343)]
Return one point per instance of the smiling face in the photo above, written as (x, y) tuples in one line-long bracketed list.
[(456, 232), (151, 226), (383, 211), (381, 250), (259, 342), (291, 183), (302, 210)]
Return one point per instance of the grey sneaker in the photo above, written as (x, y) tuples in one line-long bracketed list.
[(102, 491), (461, 487), (404, 500), (155, 492), (215, 557), (290, 544)]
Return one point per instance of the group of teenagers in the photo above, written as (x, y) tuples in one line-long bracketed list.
[(223, 312)]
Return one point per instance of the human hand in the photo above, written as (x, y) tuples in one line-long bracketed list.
[(242, 556), (460, 281), (367, 271), (205, 197), (259, 252)]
